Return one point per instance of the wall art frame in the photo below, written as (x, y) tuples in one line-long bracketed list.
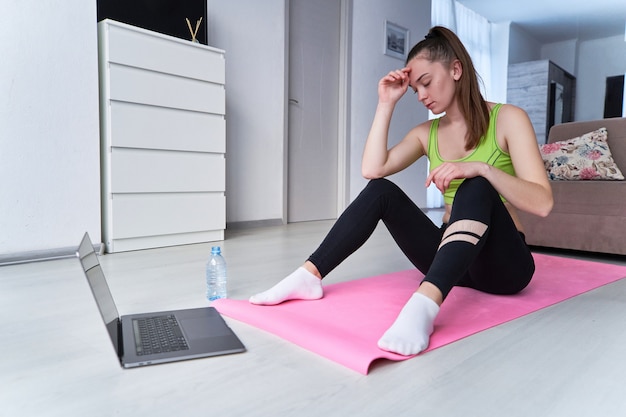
[(396, 40)]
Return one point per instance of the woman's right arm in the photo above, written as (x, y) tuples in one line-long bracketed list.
[(379, 161)]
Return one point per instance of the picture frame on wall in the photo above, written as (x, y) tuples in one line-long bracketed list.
[(396, 40)]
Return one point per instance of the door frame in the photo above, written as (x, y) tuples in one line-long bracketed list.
[(343, 123)]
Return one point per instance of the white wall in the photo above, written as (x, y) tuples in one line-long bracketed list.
[(499, 62), (562, 54), (597, 59), (256, 96), (522, 46), (590, 61), (369, 65), (49, 138), (49, 154), (253, 35)]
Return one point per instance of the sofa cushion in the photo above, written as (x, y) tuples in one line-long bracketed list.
[(586, 157), (615, 126), (596, 198), (587, 216)]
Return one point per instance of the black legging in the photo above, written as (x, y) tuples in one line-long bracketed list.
[(499, 263)]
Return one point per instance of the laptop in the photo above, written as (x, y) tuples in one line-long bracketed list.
[(153, 338)]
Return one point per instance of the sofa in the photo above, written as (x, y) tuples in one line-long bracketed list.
[(588, 215)]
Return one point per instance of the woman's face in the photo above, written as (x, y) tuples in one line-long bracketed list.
[(434, 83)]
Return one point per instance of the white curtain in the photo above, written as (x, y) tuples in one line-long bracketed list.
[(442, 13), (475, 33), (473, 30)]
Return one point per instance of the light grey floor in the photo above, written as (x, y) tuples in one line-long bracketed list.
[(56, 358)]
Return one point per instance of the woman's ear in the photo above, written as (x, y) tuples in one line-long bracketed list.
[(456, 69)]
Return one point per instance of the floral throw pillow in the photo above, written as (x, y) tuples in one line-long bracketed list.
[(587, 157)]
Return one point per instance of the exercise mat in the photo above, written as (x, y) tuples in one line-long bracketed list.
[(345, 325)]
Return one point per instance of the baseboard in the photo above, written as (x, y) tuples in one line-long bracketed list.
[(41, 255), (64, 253), (253, 224)]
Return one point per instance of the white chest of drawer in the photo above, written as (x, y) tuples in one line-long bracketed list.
[(163, 134)]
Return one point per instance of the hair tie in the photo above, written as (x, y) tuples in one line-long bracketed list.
[(429, 36)]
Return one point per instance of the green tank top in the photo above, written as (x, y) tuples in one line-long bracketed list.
[(487, 151)]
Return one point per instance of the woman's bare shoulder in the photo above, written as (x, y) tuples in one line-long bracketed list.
[(423, 129), (513, 120), (511, 112), (421, 132)]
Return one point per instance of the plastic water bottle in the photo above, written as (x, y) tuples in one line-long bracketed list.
[(216, 275)]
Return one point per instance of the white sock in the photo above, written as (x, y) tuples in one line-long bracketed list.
[(410, 333), (300, 285)]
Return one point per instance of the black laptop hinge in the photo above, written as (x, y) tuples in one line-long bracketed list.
[(120, 340)]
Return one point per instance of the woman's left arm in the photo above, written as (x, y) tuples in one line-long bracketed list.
[(530, 189)]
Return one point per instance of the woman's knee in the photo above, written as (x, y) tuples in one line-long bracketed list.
[(381, 186), (476, 184), (477, 188)]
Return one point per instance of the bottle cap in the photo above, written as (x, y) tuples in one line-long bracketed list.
[(216, 250)]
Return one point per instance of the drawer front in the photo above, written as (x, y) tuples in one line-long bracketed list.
[(162, 54), (137, 170), (140, 86), (137, 215), (138, 126)]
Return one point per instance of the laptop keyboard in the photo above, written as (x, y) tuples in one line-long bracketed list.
[(158, 335)]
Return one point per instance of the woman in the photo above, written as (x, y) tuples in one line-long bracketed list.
[(483, 158)]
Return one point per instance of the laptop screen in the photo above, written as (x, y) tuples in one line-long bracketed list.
[(99, 288)]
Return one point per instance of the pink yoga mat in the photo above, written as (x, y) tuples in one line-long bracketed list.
[(346, 324)]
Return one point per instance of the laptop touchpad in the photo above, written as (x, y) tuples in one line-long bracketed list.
[(204, 327)]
